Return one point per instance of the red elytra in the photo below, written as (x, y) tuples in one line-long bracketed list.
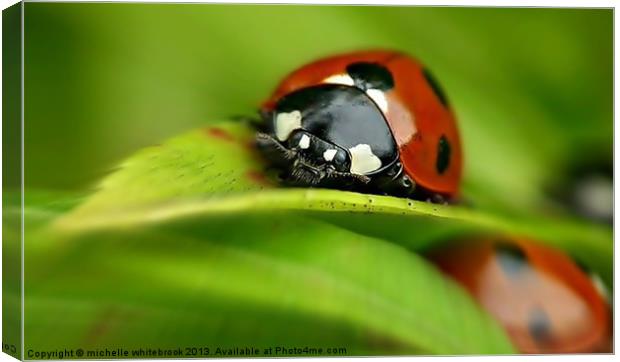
[(416, 115), (546, 303)]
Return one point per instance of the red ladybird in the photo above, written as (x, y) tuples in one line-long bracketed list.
[(374, 121), (546, 303)]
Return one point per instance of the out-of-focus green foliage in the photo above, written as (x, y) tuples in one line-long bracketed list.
[(532, 87), (188, 241)]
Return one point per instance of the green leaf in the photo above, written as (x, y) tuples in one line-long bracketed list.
[(41, 208), (261, 280), (215, 171), (293, 279)]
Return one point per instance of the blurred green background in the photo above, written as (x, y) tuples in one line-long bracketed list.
[(103, 80), (532, 90)]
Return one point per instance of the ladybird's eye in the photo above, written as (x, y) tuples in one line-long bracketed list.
[(338, 158), (318, 151), (334, 155), (299, 140)]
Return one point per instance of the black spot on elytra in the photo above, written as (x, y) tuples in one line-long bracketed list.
[(511, 259), (539, 325), (370, 76), (443, 155), (436, 87)]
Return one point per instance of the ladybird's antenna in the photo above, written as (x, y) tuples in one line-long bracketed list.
[(271, 146)]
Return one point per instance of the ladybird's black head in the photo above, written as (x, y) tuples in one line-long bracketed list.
[(314, 158), (307, 160), (329, 135)]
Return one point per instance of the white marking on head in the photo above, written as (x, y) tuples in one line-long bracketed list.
[(340, 79), (363, 161), (379, 97), (329, 155), (304, 142), (287, 123)]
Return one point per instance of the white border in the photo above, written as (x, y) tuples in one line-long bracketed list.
[(23, 189), (497, 3), (487, 3)]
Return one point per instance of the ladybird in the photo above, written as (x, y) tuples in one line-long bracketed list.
[(586, 188), (373, 121), (545, 302)]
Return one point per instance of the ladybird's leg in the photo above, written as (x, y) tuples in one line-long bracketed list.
[(405, 185), (347, 175), (274, 150), (304, 172), (447, 200), (262, 124), (434, 198), (269, 143), (438, 199)]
